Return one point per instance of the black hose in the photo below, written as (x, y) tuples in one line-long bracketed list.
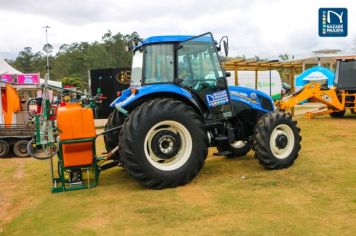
[(39, 157)]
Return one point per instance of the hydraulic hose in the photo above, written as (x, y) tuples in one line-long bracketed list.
[(41, 156)]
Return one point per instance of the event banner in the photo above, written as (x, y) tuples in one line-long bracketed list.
[(7, 78), (28, 79)]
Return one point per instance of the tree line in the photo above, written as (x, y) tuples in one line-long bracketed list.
[(70, 64)]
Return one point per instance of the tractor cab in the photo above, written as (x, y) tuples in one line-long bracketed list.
[(191, 63)]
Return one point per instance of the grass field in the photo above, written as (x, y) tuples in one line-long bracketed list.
[(316, 196)]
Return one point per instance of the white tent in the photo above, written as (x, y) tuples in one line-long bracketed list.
[(52, 83), (5, 68)]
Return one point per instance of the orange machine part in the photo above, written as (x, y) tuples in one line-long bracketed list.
[(77, 154), (76, 122)]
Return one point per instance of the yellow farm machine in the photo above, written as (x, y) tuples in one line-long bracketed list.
[(337, 99)]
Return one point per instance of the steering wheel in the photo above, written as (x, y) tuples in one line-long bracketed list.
[(204, 83)]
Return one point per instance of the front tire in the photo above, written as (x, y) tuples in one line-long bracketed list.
[(276, 140), (164, 143), (111, 140)]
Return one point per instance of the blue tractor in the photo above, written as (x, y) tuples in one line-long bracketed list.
[(179, 104)]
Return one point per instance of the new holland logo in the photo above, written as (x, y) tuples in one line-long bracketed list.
[(332, 22)]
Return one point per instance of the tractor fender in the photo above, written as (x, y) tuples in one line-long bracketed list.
[(252, 97), (128, 100)]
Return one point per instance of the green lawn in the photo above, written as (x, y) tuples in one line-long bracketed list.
[(316, 196)]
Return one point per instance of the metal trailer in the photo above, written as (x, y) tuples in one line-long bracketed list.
[(15, 138)]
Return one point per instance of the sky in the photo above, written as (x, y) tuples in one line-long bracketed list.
[(264, 28)]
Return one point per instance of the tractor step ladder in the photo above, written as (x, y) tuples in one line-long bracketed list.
[(223, 153)]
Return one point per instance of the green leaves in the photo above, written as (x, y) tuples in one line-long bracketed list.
[(70, 64), (74, 81)]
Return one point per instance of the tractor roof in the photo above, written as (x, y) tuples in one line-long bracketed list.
[(166, 39)]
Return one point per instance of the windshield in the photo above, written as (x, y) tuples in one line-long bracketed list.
[(159, 66), (198, 61), (136, 74), (199, 69)]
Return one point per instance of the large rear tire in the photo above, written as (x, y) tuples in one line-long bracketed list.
[(276, 140), (111, 140), (338, 114), (164, 143)]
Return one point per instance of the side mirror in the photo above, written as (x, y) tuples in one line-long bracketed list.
[(133, 41), (225, 41), (226, 47), (227, 73)]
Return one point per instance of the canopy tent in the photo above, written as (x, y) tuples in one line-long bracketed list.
[(317, 73), (52, 83), (5, 68), (326, 58), (11, 82)]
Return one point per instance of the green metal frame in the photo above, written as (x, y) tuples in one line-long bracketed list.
[(61, 183)]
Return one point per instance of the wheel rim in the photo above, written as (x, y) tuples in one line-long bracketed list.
[(282, 141), (168, 145), (23, 148), (238, 144)]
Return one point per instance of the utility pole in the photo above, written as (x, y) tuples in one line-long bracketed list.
[(47, 56), (45, 101)]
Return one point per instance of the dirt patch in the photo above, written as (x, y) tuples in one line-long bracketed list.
[(194, 194), (15, 199), (9, 209), (19, 173)]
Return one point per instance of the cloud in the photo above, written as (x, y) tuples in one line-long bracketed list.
[(255, 27), (92, 11)]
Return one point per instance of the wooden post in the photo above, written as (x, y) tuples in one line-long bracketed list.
[(256, 79), (236, 76), (270, 82), (292, 85), (331, 66)]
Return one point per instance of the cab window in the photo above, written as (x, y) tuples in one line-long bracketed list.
[(159, 66)]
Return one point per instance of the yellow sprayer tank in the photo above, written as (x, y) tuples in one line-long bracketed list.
[(75, 123)]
